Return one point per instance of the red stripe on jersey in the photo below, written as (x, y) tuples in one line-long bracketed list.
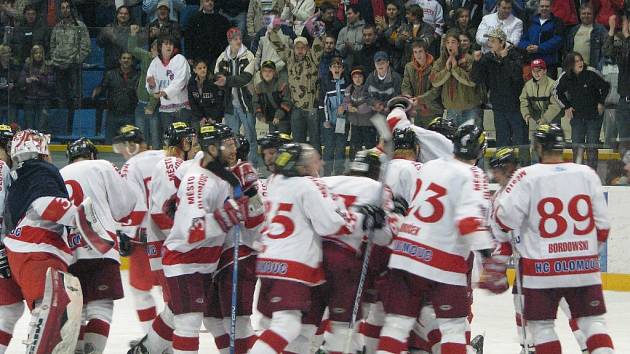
[(504, 249), (430, 256), (133, 219), (227, 257), (163, 221), (154, 249), (37, 235), (468, 225), (560, 266), (203, 255), (282, 268), (5, 338), (602, 235), (56, 209)]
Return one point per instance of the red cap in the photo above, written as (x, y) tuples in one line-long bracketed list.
[(539, 63)]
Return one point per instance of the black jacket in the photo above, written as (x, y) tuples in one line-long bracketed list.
[(582, 92), (232, 7), (503, 77), (365, 56), (207, 102), (205, 37), (121, 91), (620, 52)]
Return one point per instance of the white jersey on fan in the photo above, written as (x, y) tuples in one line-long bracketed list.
[(299, 210), (137, 171), (445, 223), (560, 213), (111, 197), (402, 178)]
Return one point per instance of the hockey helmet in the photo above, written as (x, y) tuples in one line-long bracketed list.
[(443, 126), (503, 156), (403, 102), (243, 147), (176, 132), (273, 140), (214, 134), (550, 137), (469, 142), (29, 144), (6, 135), (366, 163), (83, 147), (405, 139), (129, 133), (291, 156)]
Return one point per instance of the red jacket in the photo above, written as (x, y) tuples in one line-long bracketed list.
[(566, 11), (604, 9)]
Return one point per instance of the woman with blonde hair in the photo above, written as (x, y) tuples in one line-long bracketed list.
[(36, 80)]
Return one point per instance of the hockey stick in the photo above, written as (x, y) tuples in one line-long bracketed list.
[(381, 126), (237, 239), (519, 288)]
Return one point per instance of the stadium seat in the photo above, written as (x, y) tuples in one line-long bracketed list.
[(91, 79), (96, 58)]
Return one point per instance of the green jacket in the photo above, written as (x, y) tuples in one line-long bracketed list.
[(458, 91), (537, 100), (272, 100), (416, 83), (145, 60), (69, 43), (302, 73)]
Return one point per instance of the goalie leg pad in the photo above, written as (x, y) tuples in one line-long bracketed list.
[(56, 320), (92, 229)]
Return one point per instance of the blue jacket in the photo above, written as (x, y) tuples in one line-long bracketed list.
[(548, 38)]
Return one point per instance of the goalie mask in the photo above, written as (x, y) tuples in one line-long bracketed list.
[(29, 144), (83, 147)]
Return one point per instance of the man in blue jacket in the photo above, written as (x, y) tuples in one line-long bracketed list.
[(543, 39)]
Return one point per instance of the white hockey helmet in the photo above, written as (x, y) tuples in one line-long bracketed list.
[(29, 144)]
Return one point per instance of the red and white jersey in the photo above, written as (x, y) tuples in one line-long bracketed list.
[(112, 199), (195, 242), (137, 172), (5, 182), (560, 214), (298, 211), (402, 178), (445, 223)]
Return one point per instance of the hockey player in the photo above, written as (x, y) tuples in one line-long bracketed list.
[(11, 299), (206, 213), (268, 146), (137, 171), (429, 255), (38, 254), (99, 274), (560, 228), (443, 126)]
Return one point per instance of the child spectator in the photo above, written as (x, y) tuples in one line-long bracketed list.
[(359, 112), (272, 104), (335, 130), (537, 101), (36, 81), (206, 98), (382, 84)]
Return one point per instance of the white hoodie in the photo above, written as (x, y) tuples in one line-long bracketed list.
[(172, 78)]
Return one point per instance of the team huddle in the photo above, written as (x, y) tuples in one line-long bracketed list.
[(380, 260)]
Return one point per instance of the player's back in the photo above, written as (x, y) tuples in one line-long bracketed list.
[(137, 172), (402, 178)]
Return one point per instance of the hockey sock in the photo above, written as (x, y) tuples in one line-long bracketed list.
[(453, 331), (160, 336), (217, 329), (394, 334), (99, 316), (9, 315), (372, 326), (428, 328), (302, 344), (245, 336), (544, 337), (335, 339), (575, 328), (597, 339), (145, 307), (186, 334), (284, 328), (318, 338)]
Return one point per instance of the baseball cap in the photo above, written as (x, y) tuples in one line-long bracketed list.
[(380, 55), (357, 70), (538, 63), (300, 39), (496, 32), (268, 64), (233, 33), (163, 3)]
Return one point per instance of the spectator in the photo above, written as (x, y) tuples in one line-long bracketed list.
[(302, 67), (502, 19), (235, 11), (587, 39), (256, 12), (543, 38), (233, 71), (433, 13), (167, 79), (135, 9), (359, 112), (284, 28), (36, 81), (120, 86), (267, 51), (329, 53), (466, 43), (334, 130), (28, 32), (566, 11), (582, 92), (620, 52), (451, 74), (371, 44), (206, 99), (382, 84), (171, 12), (463, 25), (351, 36), (113, 38), (606, 8), (272, 103), (415, 29), (474, 7), (205, 35), (369, 9), (163, 25), (69, 46), (500, 71), (538, 106), (50, 11), (387, 29), (145, 109), (9, 75), (9, 14), (416, 83), (333, 25)]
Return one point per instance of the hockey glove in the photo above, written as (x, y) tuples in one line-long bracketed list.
[(247, 178), (229, 215), (374, 217), (493, 276), (125, 247), (400, 206), (5, 271)]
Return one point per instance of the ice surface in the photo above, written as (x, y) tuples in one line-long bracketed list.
[(494, 316)]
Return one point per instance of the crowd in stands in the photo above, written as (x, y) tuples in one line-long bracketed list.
[(319, 69)]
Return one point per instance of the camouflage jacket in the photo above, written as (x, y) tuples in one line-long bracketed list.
[(302, 73), (69, 43)]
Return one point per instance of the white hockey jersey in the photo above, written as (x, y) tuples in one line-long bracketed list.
[(403, 178), (112, 199), (446, 222), (5, 183), (560, 213), (172, 78), (298, 211)]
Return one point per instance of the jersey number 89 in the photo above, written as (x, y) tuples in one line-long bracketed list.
[(554, 214)]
